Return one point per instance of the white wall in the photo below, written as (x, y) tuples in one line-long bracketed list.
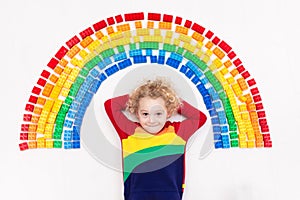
[(263, 33)]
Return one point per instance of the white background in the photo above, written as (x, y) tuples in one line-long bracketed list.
[(263, 33)]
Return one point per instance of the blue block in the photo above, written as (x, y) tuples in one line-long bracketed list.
[(94, 72), (207, 102), (173, 63), (204, 81), (124, 64), (107, 61), (217, 104), (89, 79), (111, 70), (217, 137), (76, 144), (176, 56), (189, 74), (102, 77), (183, 69), (67, 135), (135, 52), (71, 114), (226, 146), (161, 60), (224, 129), (201, 88), (68, 145), (74, 106), (162, 53), (101, 65), (215, 120), (75, 137), (218, 145), (225, 138), (195, 80), (95, 86), (139, 59), (153, 59), (212, 112), (216, 129), (148, 52), (68, 123), (120, 56), (76, 130)]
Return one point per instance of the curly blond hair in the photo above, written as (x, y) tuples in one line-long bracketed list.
[(154, 89)]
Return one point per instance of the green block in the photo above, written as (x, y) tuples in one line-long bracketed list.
[(58, 131), (57, 144), (92, 63), (188, 55), (234, 143), (132, 46), (121, 49), (169, 47), (233, 135), (84, 72), (68, 100), (57, 135), (232, 127), (180, 50)]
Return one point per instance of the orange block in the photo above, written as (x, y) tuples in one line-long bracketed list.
[(47, 89), (198, 37), (63, 62), (86, 41), (259, 144), (53, 78), (32, 128), (209, 45), (31, 136), (32, 144), (181, 29), (73, 51), (251, 107), (150, 24), (227, 63), (234, 72), (58, 69), (138, 24), (41, 101), (35, 119), (37, 110)]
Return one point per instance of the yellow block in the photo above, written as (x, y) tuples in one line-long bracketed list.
[(41, 142), (49, 143), (243, 144), (251, 144)]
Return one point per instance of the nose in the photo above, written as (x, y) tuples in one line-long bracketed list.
[(151, 119)]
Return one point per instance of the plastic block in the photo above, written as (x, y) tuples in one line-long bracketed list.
[(161, 60), (167, 18), (217, 137), (215, 121), (246, 74), (139, 59), (153, 59), (251, 82), (134, 16), (256, 98), (209, 34), (218, 145), (216, 40), (76, 145), (259, 106), (225, 47), (68, 145), (268, 144), (234, 143), (199, 29), (231, 55), (178, 20), (188, 24), (240, 68), (110, 21), (154, 16), (113, 69), (119, 18), (23, 136), (100, 25), (23, 146), (73, 41)]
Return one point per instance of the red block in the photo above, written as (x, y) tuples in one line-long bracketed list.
[(29, 107), (52, 63), (254, 91), (241, 68), (27, 117), (216, 40), (259, 106), (178, 20), (237, 62), (87, 32), (245, 74), (45, 74), (61, 52), (251, 82), (225, 47), (268, 144), (73, 41), (36, 90), (231, 55), (188, 24), (41, 82), (23, 146), (261, 114), (265, 129), (24, 127), (167, 18), (100, 25), (134, 16), (110, 21), (119, 18), (262, 122), (154, 16), (23, 136), (199, 29), (266, 137), (256, 98), (209, 34), (33, 99)]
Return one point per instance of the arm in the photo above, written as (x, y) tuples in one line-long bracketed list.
[(121, 123), (194, 120)]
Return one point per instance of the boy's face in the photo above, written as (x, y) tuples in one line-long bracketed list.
[(152, 114)]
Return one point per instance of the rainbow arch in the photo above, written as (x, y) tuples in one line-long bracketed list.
[(55, 109)]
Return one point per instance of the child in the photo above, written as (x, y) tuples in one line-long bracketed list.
[(153, 148)]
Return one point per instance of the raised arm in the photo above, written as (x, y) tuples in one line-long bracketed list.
[(194, 120), (122, 124)]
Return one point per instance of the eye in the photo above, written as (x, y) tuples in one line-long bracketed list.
[(159, 113), (145, 114)]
